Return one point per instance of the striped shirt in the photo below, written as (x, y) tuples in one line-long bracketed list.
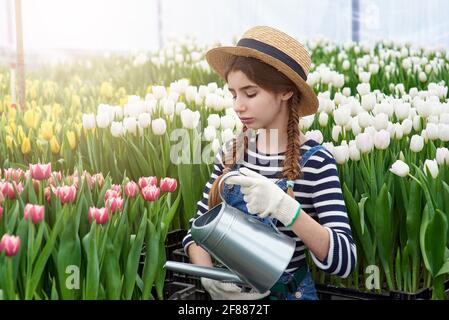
[(319, 193)]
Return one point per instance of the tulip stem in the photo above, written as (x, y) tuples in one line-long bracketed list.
[(9, 283)]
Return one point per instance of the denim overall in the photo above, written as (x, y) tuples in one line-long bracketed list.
[(305, 290)]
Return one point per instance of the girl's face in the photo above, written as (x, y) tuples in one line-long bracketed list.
[(256, 107)]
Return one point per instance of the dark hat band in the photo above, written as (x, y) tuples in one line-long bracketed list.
[(275, 53)]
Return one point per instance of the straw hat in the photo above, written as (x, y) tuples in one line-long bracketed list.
[(277, 49)]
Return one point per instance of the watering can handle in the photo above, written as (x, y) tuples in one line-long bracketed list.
[(237, 173)]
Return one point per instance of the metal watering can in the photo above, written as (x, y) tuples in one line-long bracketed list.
[(255, 253)]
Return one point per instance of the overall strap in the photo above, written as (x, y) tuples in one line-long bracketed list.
[(306, 156)]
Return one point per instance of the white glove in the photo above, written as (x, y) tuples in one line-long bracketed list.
[(219, 290), (263, 197)]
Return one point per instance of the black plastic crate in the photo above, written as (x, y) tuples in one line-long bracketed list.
[(183, 291), (330, 292)]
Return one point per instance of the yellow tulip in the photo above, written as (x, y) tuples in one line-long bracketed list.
[(106, 90), (11, 129), (20, 133), (30, 118), (12, 114), (47, 130), (71, 137), (54, 145), (9, 141), (26, 146)]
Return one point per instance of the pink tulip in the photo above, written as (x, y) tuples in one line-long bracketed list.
[(151, 193), (40, 171), (36, 212), (98, 179), (131, 189), (115, 204), (14, 174), (116, 187), (66, 194), (55, 176), (147, 181), (47, 194), (101, 215), (9, 245), (8, 190), (110, 194), (168, 185)]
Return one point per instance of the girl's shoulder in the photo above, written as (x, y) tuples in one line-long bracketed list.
[(314, 154)]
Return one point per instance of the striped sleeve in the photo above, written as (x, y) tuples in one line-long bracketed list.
[(202, 204), (330, 207)]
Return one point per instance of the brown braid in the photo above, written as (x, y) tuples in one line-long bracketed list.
[(291, 169)]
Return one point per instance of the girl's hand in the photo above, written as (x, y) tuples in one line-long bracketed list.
[(264, 198)]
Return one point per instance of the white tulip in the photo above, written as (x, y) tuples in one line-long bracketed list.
[(130, 125), (354, 153), (210, 133), (190, 119), (221, 103), (442, 156), (443, 132), (117, 129), (88, 121), (180, 106), (227, 135), (168, 106), (355, 127), (214, 121), (432, 131), (316, 135), (363, 88), (102, 120), (341, 154), (339, 98), (400, 168), (407, 126), (381, 121), (215, 145), (323, 119), (422, 77), (144, 119), (306, 122), (416, 143), (346, 91), (336, 131), (382, 139), (365, 119), (368, 101), (374, 68), (191, 93), (159, 126), (342, 116), (413, 92), (364, 77), (364, 142), (402, 111), (346, 65), (432, 166), (203, 91), (398, 131), (212, 87), (159, 92), (227, 122), (117, 113), (338, 80), (211, 101)]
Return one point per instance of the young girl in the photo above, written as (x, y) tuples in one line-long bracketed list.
[(284, 177)]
